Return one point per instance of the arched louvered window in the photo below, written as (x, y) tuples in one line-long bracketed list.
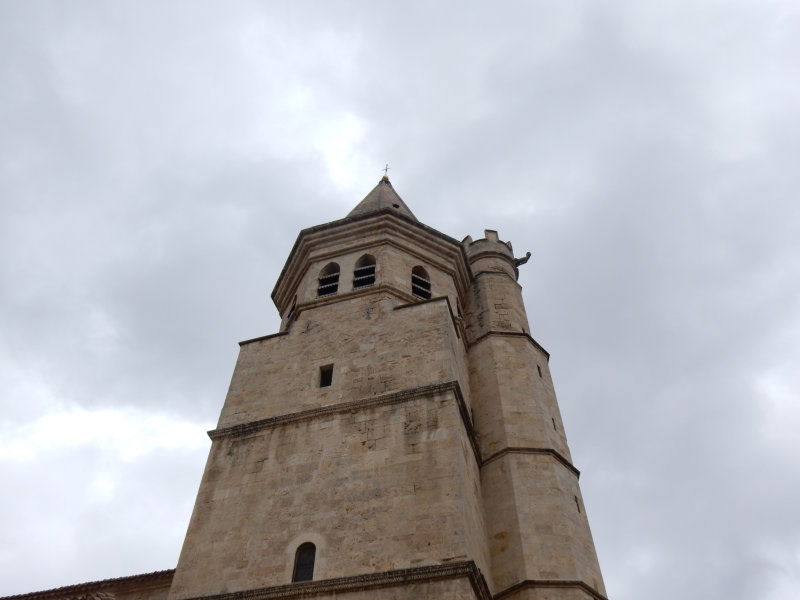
[(420, 283), (328, 280), (364, 273), (304, 562)]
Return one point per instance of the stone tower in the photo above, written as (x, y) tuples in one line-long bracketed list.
[(399, 437)]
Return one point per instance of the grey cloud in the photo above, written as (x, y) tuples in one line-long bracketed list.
[(157, 162)]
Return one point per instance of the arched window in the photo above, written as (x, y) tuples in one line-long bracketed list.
[(304, 562), (364, 273), (420, 283), (328, 280)]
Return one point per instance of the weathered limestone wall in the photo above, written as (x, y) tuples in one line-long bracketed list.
[(536, 526), (513, 405), (380, 488), (494, 305), (536, 529), (373, 348)]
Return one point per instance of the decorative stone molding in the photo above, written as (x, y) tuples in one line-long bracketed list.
[(526, 450), (511, 334), (549, 583), (263, 338), (369, 402), (382, 400), (94, 596), (369, 581)]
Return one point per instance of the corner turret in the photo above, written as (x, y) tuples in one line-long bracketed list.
[(496, 299)]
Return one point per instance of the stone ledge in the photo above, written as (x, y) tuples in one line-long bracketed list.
[(511, 334), (263, 337), (353, 405), (392, 398), (458, 322), (348, 294), (369, 581), (549, 583), (420, 301), (527, 450)]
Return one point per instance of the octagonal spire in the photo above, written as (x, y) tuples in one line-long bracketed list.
[(382, 197)]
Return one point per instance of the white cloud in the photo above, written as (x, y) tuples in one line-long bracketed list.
[(118, 433)]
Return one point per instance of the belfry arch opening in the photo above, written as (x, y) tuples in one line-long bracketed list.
[(328, 280), (364, 272), (304, 562), (420, 283)]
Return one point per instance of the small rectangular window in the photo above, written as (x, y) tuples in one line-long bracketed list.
[(325, 376), (538, 368)]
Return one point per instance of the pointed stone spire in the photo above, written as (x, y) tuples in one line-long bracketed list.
[(382, 197)]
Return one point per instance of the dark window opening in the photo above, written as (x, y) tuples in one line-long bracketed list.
[(420, 283), (364, 273), (328, 280), (554, 424), (578, 504), (538, 368), (304, 562), (325, 376)]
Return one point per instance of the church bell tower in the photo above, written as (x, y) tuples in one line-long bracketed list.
[(399, 437)]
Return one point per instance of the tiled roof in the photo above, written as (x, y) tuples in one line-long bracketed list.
[(96, 586)]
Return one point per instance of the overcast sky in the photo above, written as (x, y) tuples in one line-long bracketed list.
[(157, 160)]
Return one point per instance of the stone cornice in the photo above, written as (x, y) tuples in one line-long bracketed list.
[(365, 291), (367, 581), (409, 299), (353, 405), (142, 581), (458, 324), (528, 584), (263, 338), (527, 450), (511, 334), (244, 429)]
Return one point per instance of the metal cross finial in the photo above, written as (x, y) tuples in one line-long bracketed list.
[(386, 170)]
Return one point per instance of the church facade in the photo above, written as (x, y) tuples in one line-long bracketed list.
[(399, 437)]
